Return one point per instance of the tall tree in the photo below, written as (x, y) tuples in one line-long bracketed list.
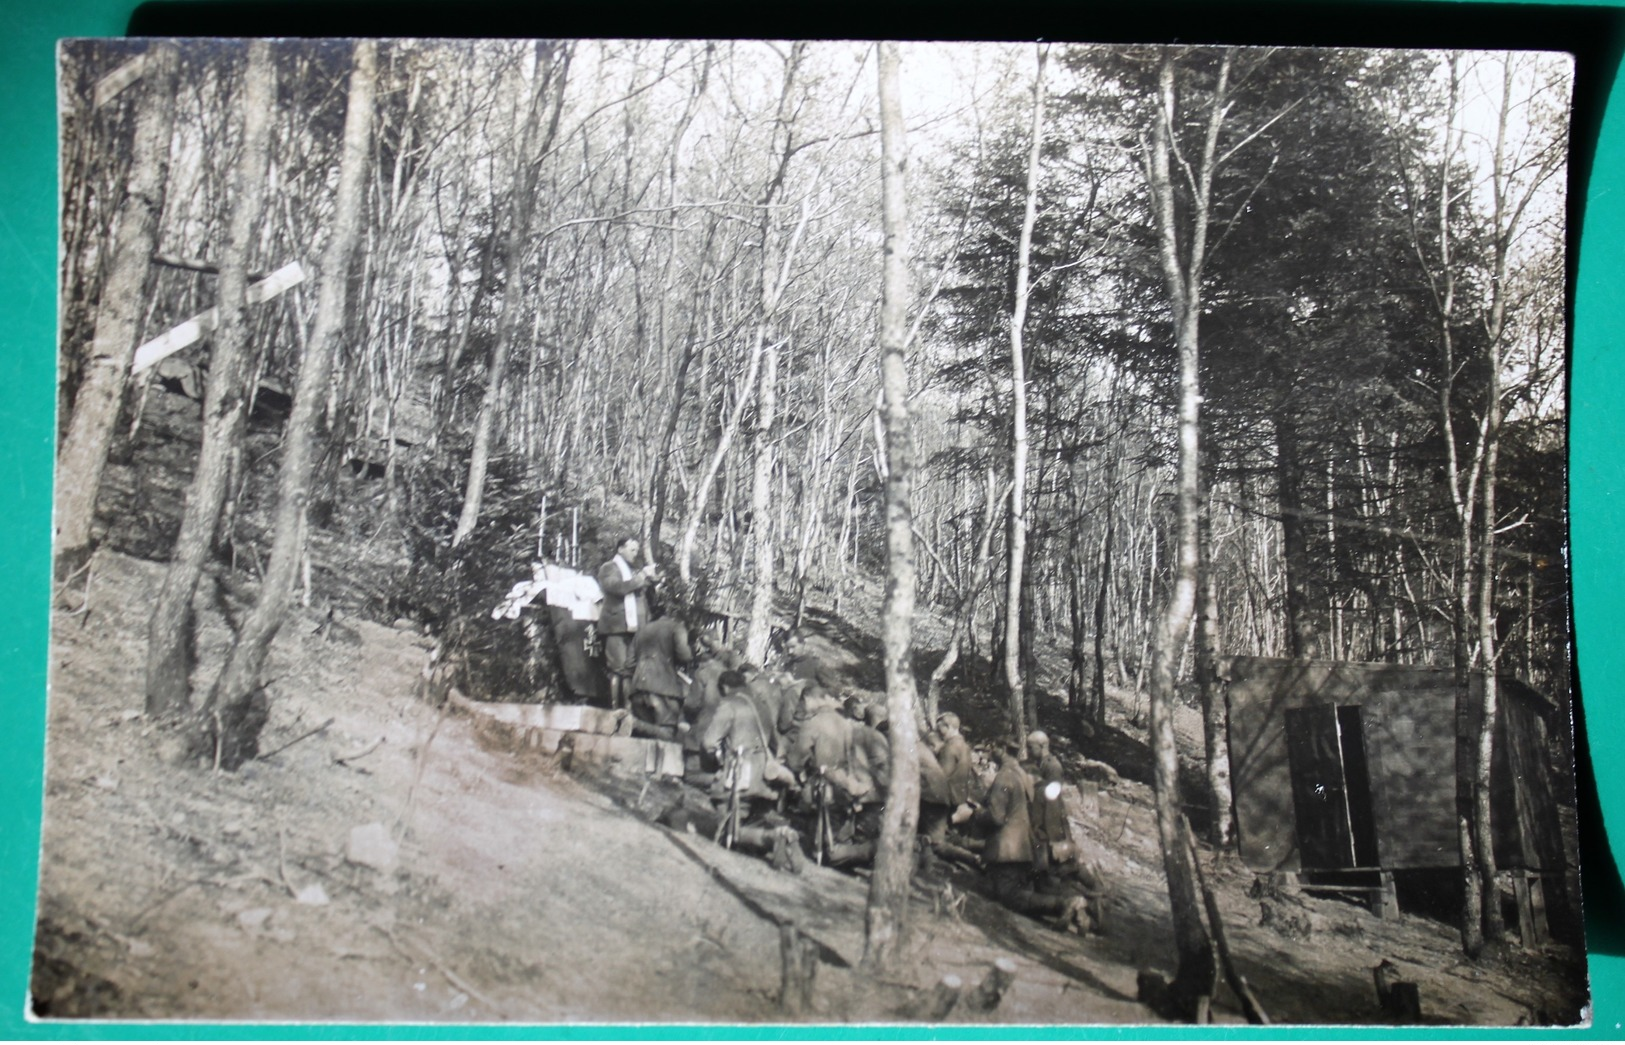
[(1466, 269), (1021, 717), (235, 710), (775, 276), (225, 404), (544, 103), (106, 370), (1182, 248), (894, 856)]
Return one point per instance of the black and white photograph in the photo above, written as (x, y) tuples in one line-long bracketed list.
[(645, 532)]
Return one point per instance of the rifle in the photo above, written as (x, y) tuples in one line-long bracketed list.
[(728, 829), (823, 835)]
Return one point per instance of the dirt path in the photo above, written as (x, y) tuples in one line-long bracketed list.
[(525, 894)]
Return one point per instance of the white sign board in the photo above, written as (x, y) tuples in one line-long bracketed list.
[(176, 338)]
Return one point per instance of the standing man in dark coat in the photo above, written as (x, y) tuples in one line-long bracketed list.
[(625, 610), (657, 686)]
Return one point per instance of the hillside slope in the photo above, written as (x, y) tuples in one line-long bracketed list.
[(524, 893)]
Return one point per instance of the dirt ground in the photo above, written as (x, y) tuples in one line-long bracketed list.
[(523, 893)]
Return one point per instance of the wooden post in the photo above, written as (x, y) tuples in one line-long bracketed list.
[(1386, 901), (1531, 908)]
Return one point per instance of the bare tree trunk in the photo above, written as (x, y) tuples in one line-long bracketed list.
[(1097, 708), (1507, 213), (1196, 976), (1300, 629), (759, 629), (1018, 472), (894, 855), (236, 711), (668, 432), (1483, 834), (1214, 731), (1463, 497), (759, 625), (702, 490), (552, 69), (225, 404), (118, 316), (965, 611)]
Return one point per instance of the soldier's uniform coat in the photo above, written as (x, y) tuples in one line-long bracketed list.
[(1009, 801), (955, 760), (656, 652)]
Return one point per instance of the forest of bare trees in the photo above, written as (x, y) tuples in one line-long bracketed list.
[(1188, 352)]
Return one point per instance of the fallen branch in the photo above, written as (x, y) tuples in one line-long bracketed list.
[(282, 861), (424, 954), (361, 752), (1249, 1004), (135, 922), (303, 736), (423, 759)]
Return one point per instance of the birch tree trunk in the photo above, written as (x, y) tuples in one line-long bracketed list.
[(1194, 980), (1018, 376), (118, 316), (225, 403), (759, 625), (1214, 735), (1507, 213), (759, 630), (236, 709), (894, 855)]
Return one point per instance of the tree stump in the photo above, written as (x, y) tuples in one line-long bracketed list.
[(798, 968), (991, 990), (942, 999), (1400, 1000)]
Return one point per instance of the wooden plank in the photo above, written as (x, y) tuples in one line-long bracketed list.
[(178, 337), (114, 83)]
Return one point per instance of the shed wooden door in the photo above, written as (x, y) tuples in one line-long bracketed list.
[(1320, 797)]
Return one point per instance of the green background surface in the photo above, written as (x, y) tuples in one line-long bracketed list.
[(29, 30)]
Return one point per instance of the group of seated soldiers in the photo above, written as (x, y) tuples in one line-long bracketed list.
[(782, 755)]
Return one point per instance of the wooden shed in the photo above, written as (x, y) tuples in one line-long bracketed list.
[(1341, 767)]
